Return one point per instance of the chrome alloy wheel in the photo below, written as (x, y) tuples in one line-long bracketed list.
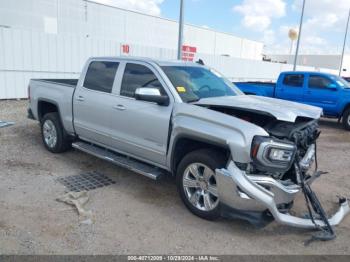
[(50, 133), (348, 120), (200, 186)]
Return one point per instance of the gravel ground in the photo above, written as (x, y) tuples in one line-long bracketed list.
[(137, 215)]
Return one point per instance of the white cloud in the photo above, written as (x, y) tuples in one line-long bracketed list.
[(322, 32), (269, 37), (316, 7), (324, 14), (324, 19), (315, 40), (258, 23), (278, 42), (258, 14), (284, 29), (150, 7)]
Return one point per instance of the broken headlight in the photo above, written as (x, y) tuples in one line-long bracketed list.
[(272, 155)]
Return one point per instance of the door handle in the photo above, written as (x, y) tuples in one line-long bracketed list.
[(80, 98), (119, 107)]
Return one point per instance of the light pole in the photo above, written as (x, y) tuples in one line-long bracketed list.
[(181, 28), (342, 54), (298, 41)]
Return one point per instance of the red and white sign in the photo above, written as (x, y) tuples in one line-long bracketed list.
[(188, 52), (125, 49)]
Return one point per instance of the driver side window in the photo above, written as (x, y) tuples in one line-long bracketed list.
[(138, 76), (319, 82)]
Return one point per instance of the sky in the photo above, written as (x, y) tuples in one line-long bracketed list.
[(267, 21)]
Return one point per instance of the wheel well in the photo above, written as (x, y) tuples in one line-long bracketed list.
[(345, 108), (45, 107), (185, 145)]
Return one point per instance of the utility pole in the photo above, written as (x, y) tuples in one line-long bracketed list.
[(346, 34), (181, 28), (298, 41)]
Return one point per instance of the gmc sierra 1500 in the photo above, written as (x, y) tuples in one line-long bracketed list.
[(232, 154)]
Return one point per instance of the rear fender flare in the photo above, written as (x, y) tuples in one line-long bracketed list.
[(58, 110)]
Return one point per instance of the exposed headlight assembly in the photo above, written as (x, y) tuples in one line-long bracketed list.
[(270, 154)]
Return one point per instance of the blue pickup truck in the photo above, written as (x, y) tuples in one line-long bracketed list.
[(330, 92)]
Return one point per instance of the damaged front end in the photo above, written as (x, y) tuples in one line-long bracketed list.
[(281, 168)]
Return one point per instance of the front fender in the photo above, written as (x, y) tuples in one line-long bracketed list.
[(215, 128)]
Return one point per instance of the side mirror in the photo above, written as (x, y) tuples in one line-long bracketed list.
[(150, 94), (332, 86)]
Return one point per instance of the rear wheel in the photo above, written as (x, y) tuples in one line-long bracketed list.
[(53, 134), (196, 182), (346, 119)]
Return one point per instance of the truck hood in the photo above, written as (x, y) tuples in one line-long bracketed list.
[(280, 109)]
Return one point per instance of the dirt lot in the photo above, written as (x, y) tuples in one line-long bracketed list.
[(137, 215)]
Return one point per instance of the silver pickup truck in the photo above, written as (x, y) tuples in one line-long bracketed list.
[(232, 154)]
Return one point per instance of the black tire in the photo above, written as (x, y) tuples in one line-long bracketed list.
[(346, 119), (210, 158), (62, 143)]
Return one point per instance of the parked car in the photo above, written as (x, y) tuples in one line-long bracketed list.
[(330, 92), (232, 155)]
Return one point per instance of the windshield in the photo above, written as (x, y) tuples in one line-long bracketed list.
[(193, 83), (340, 81)]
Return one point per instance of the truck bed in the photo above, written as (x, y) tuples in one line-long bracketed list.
[(59, 91), (257, 88)]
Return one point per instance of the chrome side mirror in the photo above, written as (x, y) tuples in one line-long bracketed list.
[(150, 94), (332, 86)]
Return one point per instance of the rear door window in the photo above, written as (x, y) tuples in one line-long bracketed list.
[(294, 80), (100, 76), (319, 82), (138, 76)]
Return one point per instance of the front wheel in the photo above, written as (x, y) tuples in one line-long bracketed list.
[(196, 182), (346, 119)]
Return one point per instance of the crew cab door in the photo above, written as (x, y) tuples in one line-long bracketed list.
[(141, 128), (93, 102), (321, 91), (290, 87)]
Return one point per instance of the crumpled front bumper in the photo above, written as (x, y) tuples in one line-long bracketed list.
[(240, 191)]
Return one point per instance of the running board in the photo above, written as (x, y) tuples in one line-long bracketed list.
[(120, 160)]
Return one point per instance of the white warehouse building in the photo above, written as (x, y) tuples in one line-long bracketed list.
[(53, 38), (331, 61)]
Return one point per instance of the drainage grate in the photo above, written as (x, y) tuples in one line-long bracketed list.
[(5, 124), (87, 181)]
